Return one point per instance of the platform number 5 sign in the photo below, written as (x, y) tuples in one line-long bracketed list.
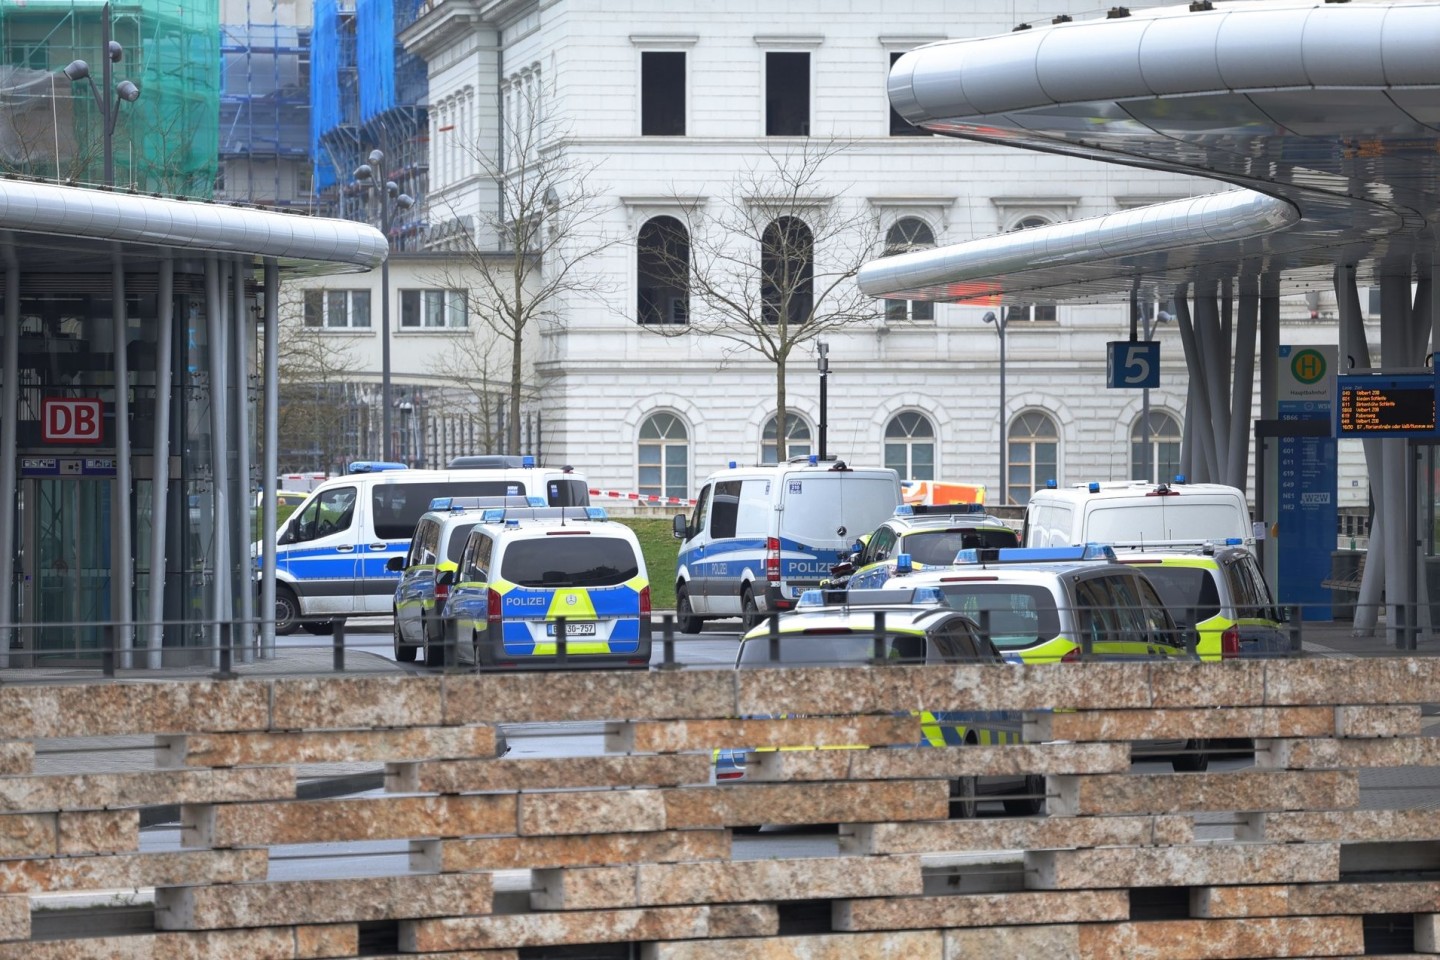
[(1132, 364)]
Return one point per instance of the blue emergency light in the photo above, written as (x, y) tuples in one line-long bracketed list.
[(904, 510), (902, 563), (527, 461), (1094, 486), (596, 513), (814, 459), (440, 503), (374, 466), (1051, 484), (1088, 551), (492, 516)]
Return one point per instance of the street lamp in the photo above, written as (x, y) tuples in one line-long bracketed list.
[(390, 197), (1000, 322), (78, 70), (822, 363), (1150, 323)]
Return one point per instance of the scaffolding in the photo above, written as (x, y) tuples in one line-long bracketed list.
[(265, 102), (368, 93), (50, 127)]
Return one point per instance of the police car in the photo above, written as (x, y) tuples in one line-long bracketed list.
[(1062, 604), (529, 576), (839, 628), (435, 548), (930, 535), (1218, 590)]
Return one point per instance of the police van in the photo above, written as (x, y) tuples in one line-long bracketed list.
[(760, 536), (332, 553), (529, 576), (1136, 513)]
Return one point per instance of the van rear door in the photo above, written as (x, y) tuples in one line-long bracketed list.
[(821, 515)]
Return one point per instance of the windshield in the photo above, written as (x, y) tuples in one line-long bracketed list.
[(938, 547), (839, 649), (1188, 592), (1176, 519), (1016, 615), (835, 507), (570, 561)]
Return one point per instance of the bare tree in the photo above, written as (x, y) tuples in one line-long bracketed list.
[(314, 371), (771, 265), (544, 226), (471, 366)]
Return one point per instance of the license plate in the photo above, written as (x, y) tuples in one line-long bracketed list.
[(572, 629)]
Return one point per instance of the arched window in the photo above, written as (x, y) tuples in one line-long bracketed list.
[(1034, 448), (908, 233), (787, 270), (1031, 311), (1156, 458), (797, 439), (910, 446), (662, 272), (663, 465)]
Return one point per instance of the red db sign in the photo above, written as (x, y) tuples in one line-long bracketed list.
[(71, 420)]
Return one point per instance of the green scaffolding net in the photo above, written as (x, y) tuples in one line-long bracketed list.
[(53, 125)]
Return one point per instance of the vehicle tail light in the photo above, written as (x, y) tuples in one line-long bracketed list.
[(1230, 643), (1072, 656), (772, 559), (492, 609), (442, 591), (730, 775), (645, 601)]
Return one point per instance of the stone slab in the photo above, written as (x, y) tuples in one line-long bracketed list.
[(1015, 834), (96, 791), (970, 760), (588, 926), (594, 811), (725, 882), (1197, 865), (1343, 754), (132, 870), (122, 707), (1051, 942), (329, 940), (462, 776), (781, 803), (355, 703), (1196, 792), (585, 850), (1357, 680), (336, 746), (14, 918), (322, 901), (29, 835), (98, 831), (1377, 721), (16, 757), (254, 944), (1223, 939), (678, 736), (1127, 725), (891, 945), (602, 695), (1312, 899), (368, 818), (981, 910), (1348, 826)]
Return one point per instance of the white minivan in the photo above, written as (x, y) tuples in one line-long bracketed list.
[(1137, 513), (761, 536), (331, 554)]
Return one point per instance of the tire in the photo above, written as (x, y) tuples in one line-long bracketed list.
[(1028, 806), (750, 616), (1193, 760), (436, 654), (318, 628), (404, 652), (287, 611), (685, 619), (964, 802)]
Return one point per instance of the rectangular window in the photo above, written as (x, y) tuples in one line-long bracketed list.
[(899, 126), (787, 94), (432, 309), (662, 94), (337, 309)]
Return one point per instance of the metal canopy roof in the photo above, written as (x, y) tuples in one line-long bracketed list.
[(1326, 114)]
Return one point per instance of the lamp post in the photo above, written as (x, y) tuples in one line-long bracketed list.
[(78, 70), (390, 199), (999, 322), (822, 363), (1150, 323)]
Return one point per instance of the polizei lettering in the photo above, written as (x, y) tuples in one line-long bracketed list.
[(528, 601), (816, 567)]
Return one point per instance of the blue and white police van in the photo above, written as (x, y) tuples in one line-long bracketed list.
[(761, 536), (332, 553)]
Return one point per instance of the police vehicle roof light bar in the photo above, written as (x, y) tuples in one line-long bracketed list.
[(506, 514), (475, 503), (982, 555)]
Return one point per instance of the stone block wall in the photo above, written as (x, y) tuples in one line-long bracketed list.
[(509, 854)]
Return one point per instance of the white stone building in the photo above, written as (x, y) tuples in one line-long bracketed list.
[(670, 101)]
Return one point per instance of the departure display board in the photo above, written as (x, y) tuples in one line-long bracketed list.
[(1385, 405)]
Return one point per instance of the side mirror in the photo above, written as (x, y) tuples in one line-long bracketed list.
[(681, 527), (287, 535), (395, 564), (445, 579), (842, 569)]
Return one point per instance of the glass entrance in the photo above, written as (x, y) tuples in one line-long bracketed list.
[(65, 567)]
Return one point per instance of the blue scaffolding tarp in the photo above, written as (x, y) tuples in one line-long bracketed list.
[(376, 56), (325, 111)]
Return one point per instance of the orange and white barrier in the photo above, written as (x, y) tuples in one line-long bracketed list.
[(643, 498), (940, 492)]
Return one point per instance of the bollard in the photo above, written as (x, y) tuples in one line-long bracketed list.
[(667, 643), (337, 645), (107, 659), (774, 639), (561, 642), (1192, 633), (226, 654), (879, 650), (1294, 618), (984, 625)]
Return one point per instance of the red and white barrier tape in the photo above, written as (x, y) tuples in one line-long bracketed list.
[(643, 497)]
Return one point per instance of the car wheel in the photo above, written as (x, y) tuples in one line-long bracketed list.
[(1032, 804), (1194, 759), (318, 628), (287, 611), (964, 802), (685, 619), (404, 652), (750, 616), (436, 654)]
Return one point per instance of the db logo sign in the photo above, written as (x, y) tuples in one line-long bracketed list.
[(71, 420)]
